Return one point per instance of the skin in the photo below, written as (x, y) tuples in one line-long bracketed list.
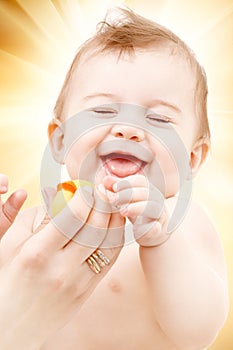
[(10, 208), (161, 296), (37, 272)]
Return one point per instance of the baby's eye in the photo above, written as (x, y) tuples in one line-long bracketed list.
[(104, 113), (157, 118)]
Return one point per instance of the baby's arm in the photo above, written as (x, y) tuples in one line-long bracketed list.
[(11, 207), (187, 277), (186, 273)]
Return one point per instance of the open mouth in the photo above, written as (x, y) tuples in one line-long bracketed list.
[(122, 164)]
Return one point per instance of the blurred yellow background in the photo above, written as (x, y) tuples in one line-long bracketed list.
[(38, 39)]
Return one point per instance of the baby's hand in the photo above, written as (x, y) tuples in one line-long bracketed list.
[(143, 204), (10, 208)]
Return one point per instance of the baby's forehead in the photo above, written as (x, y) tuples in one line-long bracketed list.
[(92, 62), (144, 62), (97, 55)]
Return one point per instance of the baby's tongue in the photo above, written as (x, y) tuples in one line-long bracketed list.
[(122, 167)]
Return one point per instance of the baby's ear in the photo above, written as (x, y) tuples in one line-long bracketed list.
[(56, 140), (199, 154)]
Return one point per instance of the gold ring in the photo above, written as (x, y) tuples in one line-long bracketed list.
[(97, 261)]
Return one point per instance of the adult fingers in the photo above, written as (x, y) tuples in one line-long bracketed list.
[(48, 195), (13, 204), (3, 184), (92, 234), (3, 187), (115, 235), (63, 227), (10, 209), (111, 245), (109, 249)]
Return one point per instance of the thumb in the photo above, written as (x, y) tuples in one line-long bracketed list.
[(13, 204), (10, 209)]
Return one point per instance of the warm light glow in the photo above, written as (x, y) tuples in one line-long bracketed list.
[(38, 41)]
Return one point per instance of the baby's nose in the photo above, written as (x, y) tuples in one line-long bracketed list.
[(128, 132)]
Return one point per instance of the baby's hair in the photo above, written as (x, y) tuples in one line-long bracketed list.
[(128, 32)]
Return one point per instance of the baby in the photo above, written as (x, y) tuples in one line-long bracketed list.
[(131, 120)]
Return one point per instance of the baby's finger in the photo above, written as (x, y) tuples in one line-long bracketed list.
[(150, 234), (109, 181), (149, 209), (116, 184), (129, 196), (137, 194)]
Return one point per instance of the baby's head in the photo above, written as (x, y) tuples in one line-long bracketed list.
[(125, 35), (132, 61)]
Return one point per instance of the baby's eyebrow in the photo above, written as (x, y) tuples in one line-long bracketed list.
[(100, 94), (160, 102), (151, 104)]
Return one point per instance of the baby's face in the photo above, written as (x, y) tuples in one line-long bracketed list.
[(138, 118)]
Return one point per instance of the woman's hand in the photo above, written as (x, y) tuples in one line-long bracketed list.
[(11, 207), (45, 277)]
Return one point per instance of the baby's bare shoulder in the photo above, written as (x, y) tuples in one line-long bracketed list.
[(200, 231), (198, 224)]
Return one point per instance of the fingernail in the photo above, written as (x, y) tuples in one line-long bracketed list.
[(4, 188), (115, 187)]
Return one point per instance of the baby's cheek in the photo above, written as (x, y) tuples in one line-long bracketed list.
[(72, 164), (169, 169), (164, 175), (82, 160)]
